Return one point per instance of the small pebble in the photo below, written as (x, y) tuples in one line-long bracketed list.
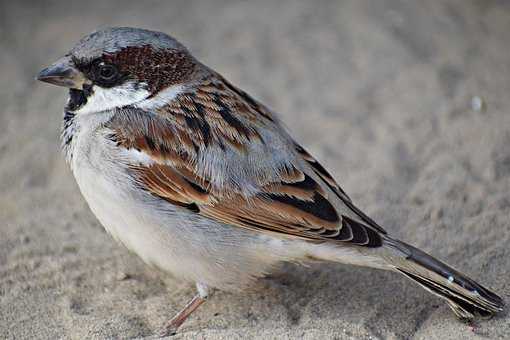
[(478, 104), (123, 276)]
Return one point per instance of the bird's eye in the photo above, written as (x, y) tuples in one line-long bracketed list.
[(107, 71)]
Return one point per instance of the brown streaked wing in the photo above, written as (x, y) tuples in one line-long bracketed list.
[(296, 205), (297, 209)]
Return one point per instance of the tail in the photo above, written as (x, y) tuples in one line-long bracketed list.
[(465, 297)]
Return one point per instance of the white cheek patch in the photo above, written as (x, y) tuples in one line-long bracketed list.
[(102, 99)]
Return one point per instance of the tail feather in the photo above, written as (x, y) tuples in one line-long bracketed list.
[(465, 297)]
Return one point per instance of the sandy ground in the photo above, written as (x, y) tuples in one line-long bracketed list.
[(379, 91)]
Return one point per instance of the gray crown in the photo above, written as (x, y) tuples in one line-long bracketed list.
[(113, 39)]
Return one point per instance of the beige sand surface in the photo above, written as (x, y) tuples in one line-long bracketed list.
[(379, 91)]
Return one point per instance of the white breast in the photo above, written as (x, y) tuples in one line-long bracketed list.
[(110, 192)]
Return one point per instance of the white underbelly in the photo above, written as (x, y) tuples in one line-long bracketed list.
[(121, 215)]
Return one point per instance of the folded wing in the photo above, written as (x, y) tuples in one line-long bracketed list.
[(294, 200)]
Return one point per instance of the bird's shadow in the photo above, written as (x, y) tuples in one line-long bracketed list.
[(383, 304), (379, 301)]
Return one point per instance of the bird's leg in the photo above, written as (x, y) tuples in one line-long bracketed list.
[(174, 324)]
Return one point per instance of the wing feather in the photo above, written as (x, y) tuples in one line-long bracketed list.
[(293, 202)]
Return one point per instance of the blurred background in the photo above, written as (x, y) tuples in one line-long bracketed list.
[(407, 103)]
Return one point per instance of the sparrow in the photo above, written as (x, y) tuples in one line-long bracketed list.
[(201, 180)]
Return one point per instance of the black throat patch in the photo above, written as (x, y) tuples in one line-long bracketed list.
[(78, 98)]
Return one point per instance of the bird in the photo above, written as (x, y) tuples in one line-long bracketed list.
[(203, 181)]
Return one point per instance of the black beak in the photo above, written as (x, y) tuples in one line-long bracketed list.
[(62, 73)]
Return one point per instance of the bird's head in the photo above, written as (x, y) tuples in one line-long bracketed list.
[(118, 67)]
